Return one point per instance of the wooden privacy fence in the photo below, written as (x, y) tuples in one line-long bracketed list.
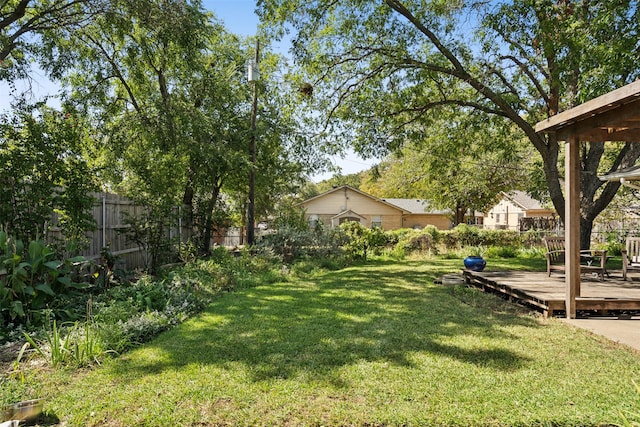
[(109, 214)]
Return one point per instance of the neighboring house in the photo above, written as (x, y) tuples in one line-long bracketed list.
[(420, 214), (346, 203), (514, 206)]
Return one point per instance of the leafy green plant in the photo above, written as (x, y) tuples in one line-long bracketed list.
[(34, 278), (531, 252), (77, 345), (293, 243), (149, 230), (188, 251), (359, 239), (478, 250), (467, 235), (501, 252), (45, 178)]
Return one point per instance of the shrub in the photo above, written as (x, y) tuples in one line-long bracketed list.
[(614, 248), (293, 243), (360, 240), (466, 235), (421, 242), (35, 280), (408, 240), (615, 243), (500, 238), (501, 252), (73, 344), (532, 252), (149, 231)]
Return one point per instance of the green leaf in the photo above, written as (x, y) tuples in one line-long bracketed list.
[(77, 260), (19, 273), (79, 285), (17, 308), (53, 265), (45, 288), (35, 249), (19, 247), (64, 280), (17, 283)]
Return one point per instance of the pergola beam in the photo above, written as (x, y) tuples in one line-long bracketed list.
[(618, 118)]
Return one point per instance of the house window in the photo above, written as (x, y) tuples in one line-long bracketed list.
[(313, 221), (497, 218), (376, 222)]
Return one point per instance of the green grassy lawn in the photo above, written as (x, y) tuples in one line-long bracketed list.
[(378, 344)]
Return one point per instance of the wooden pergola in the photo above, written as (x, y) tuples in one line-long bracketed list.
[(614, 116)]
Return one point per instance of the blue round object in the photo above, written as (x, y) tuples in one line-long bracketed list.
[(475, 263)]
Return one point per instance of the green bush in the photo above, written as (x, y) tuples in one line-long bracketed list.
[(501, 252), (532, 252), (461, 241), (362, 241), (407, 241), (293, 243), (466, 235), (614, 243), (614, 248), (35, 280)]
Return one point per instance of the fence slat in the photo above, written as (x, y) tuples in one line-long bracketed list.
[(108, 213)]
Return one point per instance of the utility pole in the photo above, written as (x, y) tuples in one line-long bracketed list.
[(253, 76)]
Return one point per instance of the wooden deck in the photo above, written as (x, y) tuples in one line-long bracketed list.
[(547, 294)]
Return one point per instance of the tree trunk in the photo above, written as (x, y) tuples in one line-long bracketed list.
[(586, 227), (187, 210), (208, 226), (459, 214)]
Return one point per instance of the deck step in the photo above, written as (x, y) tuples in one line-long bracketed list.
[(547, 294)]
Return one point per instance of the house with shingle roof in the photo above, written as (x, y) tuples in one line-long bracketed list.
[(345, 203), (509, 212)]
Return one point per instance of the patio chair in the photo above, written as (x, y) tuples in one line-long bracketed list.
[(631, 256), (556, 261)]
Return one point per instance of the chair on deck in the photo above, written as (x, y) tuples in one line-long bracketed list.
[(556, 261), (631, 256)]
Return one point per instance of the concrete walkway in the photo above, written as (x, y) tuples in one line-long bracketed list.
[(624, 331)]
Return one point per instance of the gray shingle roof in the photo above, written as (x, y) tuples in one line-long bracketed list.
[(416, 206), (524, 200)]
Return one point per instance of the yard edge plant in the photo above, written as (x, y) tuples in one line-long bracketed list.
[(34, 280), (73, 344)]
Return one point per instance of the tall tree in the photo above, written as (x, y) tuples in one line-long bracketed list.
[(157, 76), (25, 27), (167, 84), (458, 165), (379, 67)]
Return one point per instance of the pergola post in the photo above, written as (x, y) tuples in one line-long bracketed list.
[(572, 224)]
